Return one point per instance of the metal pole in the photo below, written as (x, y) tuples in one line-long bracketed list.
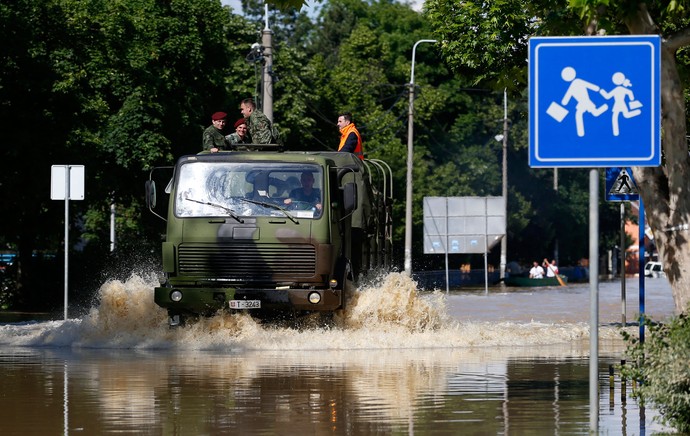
[(504, 192), (112, 226), (67, 193), (267, 42), (446, 248), (593, 301), (555, 188), (410, 156), (640, 221), (622, 257), (486, 246)]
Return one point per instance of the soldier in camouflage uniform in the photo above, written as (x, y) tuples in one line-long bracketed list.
[(213, 138), (239, 137), (260, 129)]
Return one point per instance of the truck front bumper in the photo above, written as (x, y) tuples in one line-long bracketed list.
[(206, 301)]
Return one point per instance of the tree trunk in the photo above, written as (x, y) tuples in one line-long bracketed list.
[(665, 190)]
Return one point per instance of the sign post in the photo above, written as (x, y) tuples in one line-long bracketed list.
[(67, 183), (595, 102), (620, 186)]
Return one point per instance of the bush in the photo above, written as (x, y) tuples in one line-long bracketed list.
[(660, 364)]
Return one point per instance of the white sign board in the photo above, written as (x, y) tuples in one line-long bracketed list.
[(458, 225), (59, 177)]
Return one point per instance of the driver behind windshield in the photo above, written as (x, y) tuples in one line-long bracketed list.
[(260, 188), (306, 194)]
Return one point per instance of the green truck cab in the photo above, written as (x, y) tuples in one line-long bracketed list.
[(245, 232)]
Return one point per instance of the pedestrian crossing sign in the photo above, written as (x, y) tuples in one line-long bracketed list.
[(620, 185)]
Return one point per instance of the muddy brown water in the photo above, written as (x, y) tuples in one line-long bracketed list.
[(513, 361)]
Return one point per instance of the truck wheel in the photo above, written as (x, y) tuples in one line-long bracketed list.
[(348, 287)]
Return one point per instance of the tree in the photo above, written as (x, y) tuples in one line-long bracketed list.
[(116, 86), (664, 190), (33, 119), (490, 39)]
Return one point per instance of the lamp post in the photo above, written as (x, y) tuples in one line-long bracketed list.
[(504, 189), (503, 137), (410, 154)]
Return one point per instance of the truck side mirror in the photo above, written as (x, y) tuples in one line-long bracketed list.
[(150, 194), (349, 197)]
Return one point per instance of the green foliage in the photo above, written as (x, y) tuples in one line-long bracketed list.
[(117, 86), (661, 365), (287, 4), (487, 41), (611, 14)]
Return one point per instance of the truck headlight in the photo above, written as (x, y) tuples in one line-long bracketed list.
[(176, 295), (314, 297)]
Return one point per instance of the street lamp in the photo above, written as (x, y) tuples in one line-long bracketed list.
[(503, 138), (504, 187), (410, 153)]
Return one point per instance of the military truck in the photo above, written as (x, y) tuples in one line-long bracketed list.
[(241, 235)]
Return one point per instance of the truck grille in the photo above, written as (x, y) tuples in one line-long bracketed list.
[(247, 262)]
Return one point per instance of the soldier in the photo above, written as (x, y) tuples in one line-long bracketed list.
[(239, 137), (258, 124), (307, 193), (213, 138)]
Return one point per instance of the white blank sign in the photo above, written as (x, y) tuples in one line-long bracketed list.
[(463, 224), (58, 182)]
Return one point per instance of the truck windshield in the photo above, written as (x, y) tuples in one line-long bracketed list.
[(219, 189)]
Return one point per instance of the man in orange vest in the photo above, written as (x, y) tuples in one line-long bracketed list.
[(350, 139)]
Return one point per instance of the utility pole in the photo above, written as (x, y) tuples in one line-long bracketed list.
[(410, 155), (504, 192), (267, 43)]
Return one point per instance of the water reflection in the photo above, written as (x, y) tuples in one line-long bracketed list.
[(394, 362), (444, 391)]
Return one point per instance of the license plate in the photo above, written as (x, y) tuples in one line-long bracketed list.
[(245, 304)]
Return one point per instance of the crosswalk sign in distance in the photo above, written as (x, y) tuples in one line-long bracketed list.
[(620, 185)]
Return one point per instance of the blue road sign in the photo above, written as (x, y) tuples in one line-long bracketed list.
[(620, 185), (594, 101)]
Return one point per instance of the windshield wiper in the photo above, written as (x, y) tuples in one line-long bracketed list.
[(219, 206), (272, 206)]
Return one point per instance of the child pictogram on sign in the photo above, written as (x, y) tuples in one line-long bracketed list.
[(620, 106), (624, 102), (579, 91)]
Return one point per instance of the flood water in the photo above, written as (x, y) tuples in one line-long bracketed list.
[(513, 361)]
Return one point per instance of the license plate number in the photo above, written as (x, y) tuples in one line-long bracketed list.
[(245, 304)]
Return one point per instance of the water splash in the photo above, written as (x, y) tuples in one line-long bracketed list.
[(386, 313), (391, 301)]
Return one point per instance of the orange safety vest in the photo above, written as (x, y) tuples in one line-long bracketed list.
[(345, 132)]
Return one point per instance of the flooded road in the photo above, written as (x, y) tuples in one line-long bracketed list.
[(397, 361)]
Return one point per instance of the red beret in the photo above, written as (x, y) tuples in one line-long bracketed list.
[(219, 116), (240, 122)]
